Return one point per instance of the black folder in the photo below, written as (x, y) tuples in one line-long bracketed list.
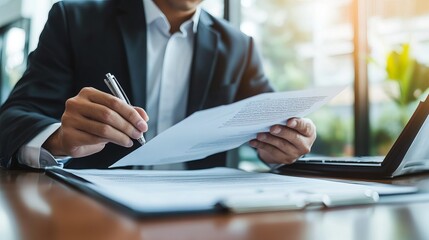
[(252, 194), (84, 186)]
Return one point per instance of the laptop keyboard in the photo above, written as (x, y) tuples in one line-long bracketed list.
[(343, 160)]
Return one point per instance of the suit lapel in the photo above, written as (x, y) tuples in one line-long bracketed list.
[(132, 23), (203, 63)]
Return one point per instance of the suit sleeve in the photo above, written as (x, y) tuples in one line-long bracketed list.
[(37, 100)]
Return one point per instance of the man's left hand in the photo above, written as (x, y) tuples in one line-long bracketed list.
[(286, 143)]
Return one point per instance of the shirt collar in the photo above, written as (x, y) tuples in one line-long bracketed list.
[(152, 12)]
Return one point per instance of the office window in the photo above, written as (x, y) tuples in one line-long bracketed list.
[(13, 55), (394, 25), (308, 44)]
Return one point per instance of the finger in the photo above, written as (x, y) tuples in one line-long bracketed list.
[(77, 138), (80, 144), (272, 153), (103, 114), (301, 142), (302, 125), (262, 153), (117, 105), (268, 158), (100, 130), (283, 145), (87, 150), (142, 113)]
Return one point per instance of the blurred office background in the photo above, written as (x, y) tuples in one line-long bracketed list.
[(304, 44)]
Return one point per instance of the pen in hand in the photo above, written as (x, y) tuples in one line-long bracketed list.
[(118, 92)]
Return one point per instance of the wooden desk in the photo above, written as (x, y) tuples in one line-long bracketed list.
[(35, 206)]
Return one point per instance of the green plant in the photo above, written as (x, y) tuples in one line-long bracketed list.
[(412, 77), (412, 80)]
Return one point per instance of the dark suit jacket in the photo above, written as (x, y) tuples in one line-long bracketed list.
[(83, 40)]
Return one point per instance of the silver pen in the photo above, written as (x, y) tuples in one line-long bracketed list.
[(118, 92)]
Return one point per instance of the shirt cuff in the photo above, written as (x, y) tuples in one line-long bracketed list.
[(33, 155)]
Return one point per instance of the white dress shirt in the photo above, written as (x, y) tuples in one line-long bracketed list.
[(169, 58)]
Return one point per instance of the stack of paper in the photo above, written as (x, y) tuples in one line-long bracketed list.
[(226, 127), (150, 191)]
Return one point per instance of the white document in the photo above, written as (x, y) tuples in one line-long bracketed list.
[(170, 191), (226, 127)]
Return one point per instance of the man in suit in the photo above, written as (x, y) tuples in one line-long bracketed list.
[(172, 59)]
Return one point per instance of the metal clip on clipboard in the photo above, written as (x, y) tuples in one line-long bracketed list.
[(296, 201)]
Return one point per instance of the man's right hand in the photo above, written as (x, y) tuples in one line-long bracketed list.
[(91, 120)]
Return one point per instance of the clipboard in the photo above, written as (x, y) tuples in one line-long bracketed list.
[(82, 185), (230, 204)]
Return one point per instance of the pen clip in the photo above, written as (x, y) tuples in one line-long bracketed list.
[(109, 85), (112, 80)]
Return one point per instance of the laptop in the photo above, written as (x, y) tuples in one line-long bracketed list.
[(408, 155)]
